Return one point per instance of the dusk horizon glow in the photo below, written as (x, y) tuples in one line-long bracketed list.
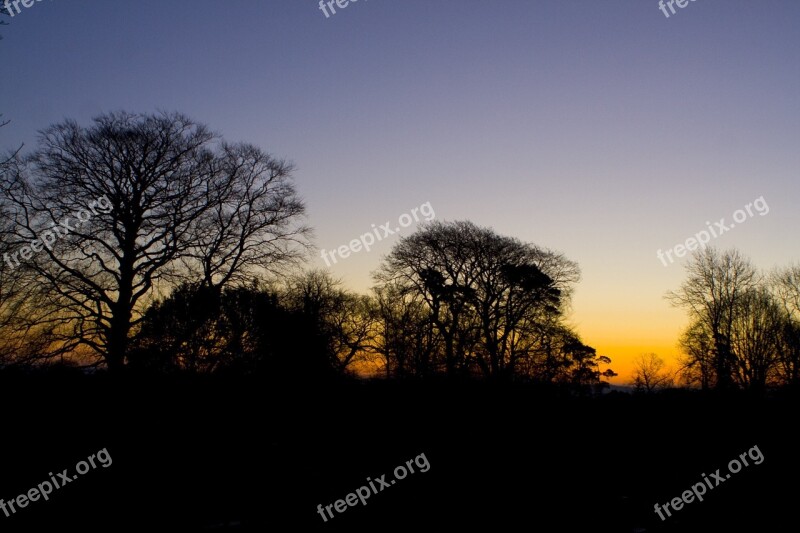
[(604, 131)]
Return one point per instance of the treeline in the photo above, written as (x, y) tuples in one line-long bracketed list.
[(145, 242), (500, 320), (745, 330)]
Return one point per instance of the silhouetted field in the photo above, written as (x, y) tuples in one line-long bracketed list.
[(200, 453)]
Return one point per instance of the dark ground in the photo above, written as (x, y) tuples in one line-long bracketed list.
[(193, 455)]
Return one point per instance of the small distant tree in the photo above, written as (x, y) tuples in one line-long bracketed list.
[(649, 374), (608, 373)]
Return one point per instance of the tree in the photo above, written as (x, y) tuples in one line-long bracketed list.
[(649, 374), (788, 365), (755, 340), (786, 287), (580, 370), (251, 223), (240, 330), (182, 332), (24, 329), (546, 358), (697, 363), (608, 373), (716, 284), (128, 205), (345, 322), (405, 338), (483, 292), (21, 335)]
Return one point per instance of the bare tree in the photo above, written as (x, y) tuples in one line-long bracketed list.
[(697, 363), (347, 321), (755, 341), (483, 291), (253, 219), (353, 325), (786, 287), (406, 339), (24, 334), (649, 374), (24, 331), (139, 188), (716, 284)]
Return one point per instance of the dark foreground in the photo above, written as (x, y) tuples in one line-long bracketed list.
[(214, 455)]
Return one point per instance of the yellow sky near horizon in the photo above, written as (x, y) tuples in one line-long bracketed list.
[(625, 320), (619, 321)]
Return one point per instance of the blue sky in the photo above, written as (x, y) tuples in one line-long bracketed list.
[(603, 129)]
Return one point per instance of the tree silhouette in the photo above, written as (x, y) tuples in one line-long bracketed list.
[(786, 287), (233, 330), (251, 224), (406, 338), (492, 302), (755, 340), (343, 321), (744, 330), (716, 285), (649, 375), (175, 207)]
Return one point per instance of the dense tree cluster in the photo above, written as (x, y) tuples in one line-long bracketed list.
[(145, 243), (192, 263), (745, 329), (457, 299)]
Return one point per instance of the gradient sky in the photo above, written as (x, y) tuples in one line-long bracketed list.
[(602, 130)]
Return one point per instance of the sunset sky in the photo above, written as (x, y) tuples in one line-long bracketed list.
[(602, 130)]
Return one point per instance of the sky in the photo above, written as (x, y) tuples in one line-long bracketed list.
[(602, 130)]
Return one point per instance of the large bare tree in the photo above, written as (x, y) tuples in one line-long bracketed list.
[(121, 207)]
